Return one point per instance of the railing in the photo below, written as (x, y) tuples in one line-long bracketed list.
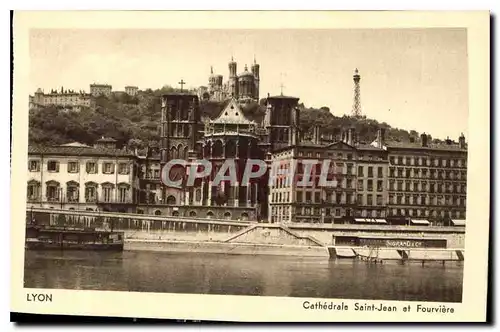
[(138, 216)]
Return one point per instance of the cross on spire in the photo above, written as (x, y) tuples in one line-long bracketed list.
[(182, 84)]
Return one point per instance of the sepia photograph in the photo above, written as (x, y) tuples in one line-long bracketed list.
[(331, 165)]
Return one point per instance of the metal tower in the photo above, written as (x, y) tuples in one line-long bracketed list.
[(356, 106)]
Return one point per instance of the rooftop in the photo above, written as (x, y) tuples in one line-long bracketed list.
[(78, 151)]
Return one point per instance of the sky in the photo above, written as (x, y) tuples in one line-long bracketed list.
[(410, 78)]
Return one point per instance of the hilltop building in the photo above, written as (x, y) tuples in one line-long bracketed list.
[(131, 90), (65, 98), (100, 89), (243, 86)]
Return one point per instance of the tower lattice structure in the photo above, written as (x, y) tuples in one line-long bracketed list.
[(356, 106)]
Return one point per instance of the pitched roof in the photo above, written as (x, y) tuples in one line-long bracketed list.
[(78, 151), (232, 114), (106, 139), (76, 145), (430, 146)]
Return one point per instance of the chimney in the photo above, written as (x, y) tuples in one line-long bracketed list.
[(461, 141), (423, 139), (448, 140), (350, 136)]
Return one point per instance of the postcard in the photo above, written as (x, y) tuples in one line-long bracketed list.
[(267, 166)]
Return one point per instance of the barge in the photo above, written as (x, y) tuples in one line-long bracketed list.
[(43, 237)]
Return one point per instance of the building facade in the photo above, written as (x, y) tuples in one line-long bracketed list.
[(428, 180), (131, 90), (243, 86), (63, 98), (80, 177), (100, 89)]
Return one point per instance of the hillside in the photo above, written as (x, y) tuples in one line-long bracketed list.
[(134, 121)]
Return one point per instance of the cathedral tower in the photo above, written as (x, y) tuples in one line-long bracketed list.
[(233, 78), (283, 121), (256, 74)]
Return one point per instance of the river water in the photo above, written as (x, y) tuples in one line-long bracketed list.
[(242, 275)]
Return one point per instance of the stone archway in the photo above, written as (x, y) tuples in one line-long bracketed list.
[(227, 215), (210, 214), (192, 214), (157, 213), (175, 213), (244, 216)]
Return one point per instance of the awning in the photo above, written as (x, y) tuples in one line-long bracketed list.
[(420, 222), (370, 220), (458, 222)]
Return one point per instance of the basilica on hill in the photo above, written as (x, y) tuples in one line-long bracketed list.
[(243, 86)]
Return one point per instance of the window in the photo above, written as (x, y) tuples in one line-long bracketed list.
[(400, 185), (360, 170), (380, 172), (369, 200), (52, 166), (107, 192), (91, 167), (338, 197), (72, 192), (408, 173), (33, 190), (123, 168), (34, 165), (380, 185), (370, 185), (308, 196), (91, 193), (391, 185), (156, 173), (360, 184), (123, 194), (370, 171), (337, 212), (317, 198), (108, 168), (399, 199), (392, 160), (53, 191), (73, 167), (391, 172), (299, 197), (360, 199)]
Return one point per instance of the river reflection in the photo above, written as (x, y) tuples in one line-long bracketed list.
[(242, 275)]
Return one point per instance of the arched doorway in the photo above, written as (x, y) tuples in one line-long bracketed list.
[(210, 214), (157, 213), (192, 214), (227, 215)]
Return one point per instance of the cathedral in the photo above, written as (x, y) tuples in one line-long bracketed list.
[(243, 87), (230, 135)]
